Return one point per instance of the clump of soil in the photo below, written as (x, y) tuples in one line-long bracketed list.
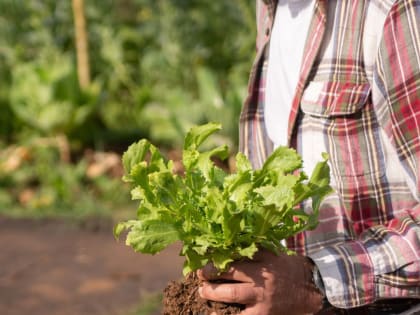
[(181, 297)]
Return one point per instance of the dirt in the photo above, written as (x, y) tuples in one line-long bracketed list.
[(59, 268), (181, 297)]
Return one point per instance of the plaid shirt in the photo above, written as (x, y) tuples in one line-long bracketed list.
[(358, 99)]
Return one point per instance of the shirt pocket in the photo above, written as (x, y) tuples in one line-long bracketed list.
[(334, 99), (343, 116)]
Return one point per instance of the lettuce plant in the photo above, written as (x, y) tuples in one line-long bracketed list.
[(219, 217)]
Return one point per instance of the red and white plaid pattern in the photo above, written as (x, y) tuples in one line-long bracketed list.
[(358, 98)]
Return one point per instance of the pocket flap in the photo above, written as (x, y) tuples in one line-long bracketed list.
[(326, 99)]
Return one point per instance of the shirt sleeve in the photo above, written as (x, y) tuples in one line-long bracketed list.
[(384, 262)]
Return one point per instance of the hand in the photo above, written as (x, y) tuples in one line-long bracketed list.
[(267, 285)]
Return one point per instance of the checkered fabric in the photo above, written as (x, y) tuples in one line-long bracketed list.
[(358, 99)]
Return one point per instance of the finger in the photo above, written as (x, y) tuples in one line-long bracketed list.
[(241, 293)]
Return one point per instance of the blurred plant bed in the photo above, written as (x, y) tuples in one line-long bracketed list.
[(43, 178)]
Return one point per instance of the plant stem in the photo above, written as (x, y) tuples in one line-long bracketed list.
[(83, 69)]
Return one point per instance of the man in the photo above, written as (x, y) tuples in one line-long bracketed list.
[(341, 77)]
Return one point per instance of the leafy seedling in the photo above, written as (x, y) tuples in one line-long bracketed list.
[(219, 217)]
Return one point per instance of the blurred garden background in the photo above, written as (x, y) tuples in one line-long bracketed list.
[(80, 80)]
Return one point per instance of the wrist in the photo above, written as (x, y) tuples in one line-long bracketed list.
[(317, 288)]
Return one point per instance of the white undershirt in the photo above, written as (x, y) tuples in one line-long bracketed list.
[(287, 42)]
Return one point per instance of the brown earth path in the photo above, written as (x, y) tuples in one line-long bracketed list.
[(56, 268)]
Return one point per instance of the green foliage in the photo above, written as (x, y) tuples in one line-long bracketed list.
[(191, 69), (218, 217), (158, 68), (45, 95), (37, 181)]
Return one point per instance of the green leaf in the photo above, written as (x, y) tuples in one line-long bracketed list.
[(265, 218), (249, 251), (135, 154), (239, 188), (282, 160), (205, 164), (164, 187), (231, 225), (213, 204), (321, 174), (221, 259), (151, 236), (190, 159), (193, 260), (121, 226), (139, 175), (198, 134), (281, 195), (137, 193), (242, 163)]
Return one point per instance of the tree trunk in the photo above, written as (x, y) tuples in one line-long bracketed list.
[(82, 46)]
